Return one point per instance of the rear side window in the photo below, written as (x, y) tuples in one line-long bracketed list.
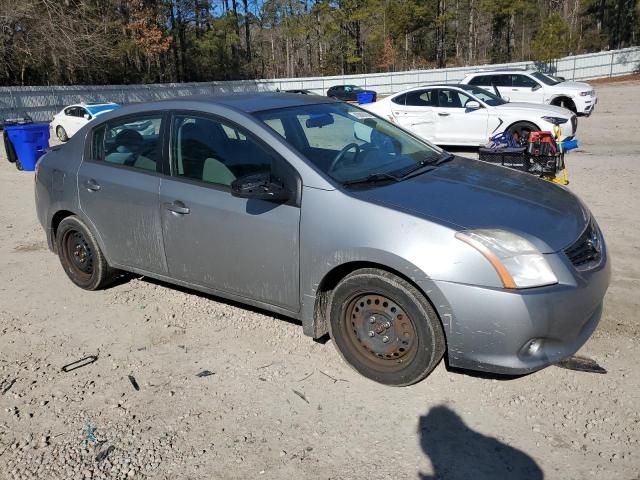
[(400, 99), (97, 143), (134, 142), (422, 98), (500, 80), (480, 80)]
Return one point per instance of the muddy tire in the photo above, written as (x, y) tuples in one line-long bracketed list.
[(385, 328), (80, 255), (61, 133)]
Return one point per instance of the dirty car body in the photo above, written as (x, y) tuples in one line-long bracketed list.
[(287, 201)]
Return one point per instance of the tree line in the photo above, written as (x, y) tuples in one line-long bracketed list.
[(47, 42)]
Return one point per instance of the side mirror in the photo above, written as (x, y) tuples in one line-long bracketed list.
[(260, 186), (506, 99), (472, 105), (87, 116), (536, 87)]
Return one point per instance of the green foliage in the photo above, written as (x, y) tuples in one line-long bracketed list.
[(132, 41), (553, 39)]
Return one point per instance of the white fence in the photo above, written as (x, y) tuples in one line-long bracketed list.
[(41, 103)]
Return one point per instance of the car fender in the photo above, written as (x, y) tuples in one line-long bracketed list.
[(342, 262)]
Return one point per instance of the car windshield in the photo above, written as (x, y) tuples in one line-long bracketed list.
[(484, 95), (545, 78), (98, 109), (350, 144)]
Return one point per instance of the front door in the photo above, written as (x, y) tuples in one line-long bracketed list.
[(456, 124), (118, 187), (244, 247), (525, 89)]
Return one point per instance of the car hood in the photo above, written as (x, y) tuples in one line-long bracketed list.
[(469, 194), (536, 107), (573, 86)]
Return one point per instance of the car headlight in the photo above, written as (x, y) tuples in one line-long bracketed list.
[(586, 94), (517, 261), (555, 120)]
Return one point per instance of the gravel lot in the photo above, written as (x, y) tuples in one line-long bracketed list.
[(279, 405)]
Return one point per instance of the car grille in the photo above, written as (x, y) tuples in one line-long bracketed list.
[(574, 123), (587, 249)]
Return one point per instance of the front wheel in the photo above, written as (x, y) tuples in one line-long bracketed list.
[(385, 328), (80, 255), (520, 131), (61, 133)]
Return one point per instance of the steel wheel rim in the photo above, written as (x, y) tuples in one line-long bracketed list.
[(59, 133), (79, 254), (379, 332)]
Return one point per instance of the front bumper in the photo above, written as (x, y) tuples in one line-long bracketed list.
[(490, 329), (586, 105)]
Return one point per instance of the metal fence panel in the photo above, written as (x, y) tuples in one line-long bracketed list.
[(41, 103)]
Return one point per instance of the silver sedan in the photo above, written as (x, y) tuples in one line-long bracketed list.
[(324, 212)]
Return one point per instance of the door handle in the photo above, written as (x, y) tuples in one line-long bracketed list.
[(444, 114), (91, 185), (177, 208)]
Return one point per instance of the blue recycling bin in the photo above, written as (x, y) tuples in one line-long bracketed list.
[(366, 97), (30, 142)]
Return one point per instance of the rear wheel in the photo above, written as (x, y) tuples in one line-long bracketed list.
[(385, 328), (61, 133), (520, 131), (80, 255)]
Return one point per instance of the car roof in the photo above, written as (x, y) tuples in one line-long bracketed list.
[(503, 70), (257, 101)]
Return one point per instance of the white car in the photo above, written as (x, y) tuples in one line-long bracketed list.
[(468, 116), (72, 118), (536, 87)]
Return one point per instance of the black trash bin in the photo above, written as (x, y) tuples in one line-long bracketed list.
[(9, 149)]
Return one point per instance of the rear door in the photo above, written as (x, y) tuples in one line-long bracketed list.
[(118, 186), (415, 111), (244, 247), (455, 123)]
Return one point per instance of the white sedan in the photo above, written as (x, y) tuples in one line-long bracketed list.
[(72, 118), (466, 115)]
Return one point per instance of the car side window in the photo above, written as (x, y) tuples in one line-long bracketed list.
[(481, 80), (400, 99), (422, 98), (500, 80), (449, 98), (134, 142), (71, 111), (215, 152), (522, 81), (97, 143)]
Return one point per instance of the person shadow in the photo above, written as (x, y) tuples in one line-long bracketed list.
[(458, 453)]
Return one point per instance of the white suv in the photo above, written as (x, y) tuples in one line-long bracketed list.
[(532, 86)]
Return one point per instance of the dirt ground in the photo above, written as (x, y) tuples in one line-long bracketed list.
[(279, 405)]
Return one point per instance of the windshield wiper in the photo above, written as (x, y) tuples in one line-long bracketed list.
[(425, 166), (372, 178)]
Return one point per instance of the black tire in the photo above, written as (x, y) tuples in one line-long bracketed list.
[(80, 256), (61, 133), (521, 130), (407, 341), (19, 165)]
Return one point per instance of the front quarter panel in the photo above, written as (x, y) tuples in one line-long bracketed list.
[(337, 229)]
